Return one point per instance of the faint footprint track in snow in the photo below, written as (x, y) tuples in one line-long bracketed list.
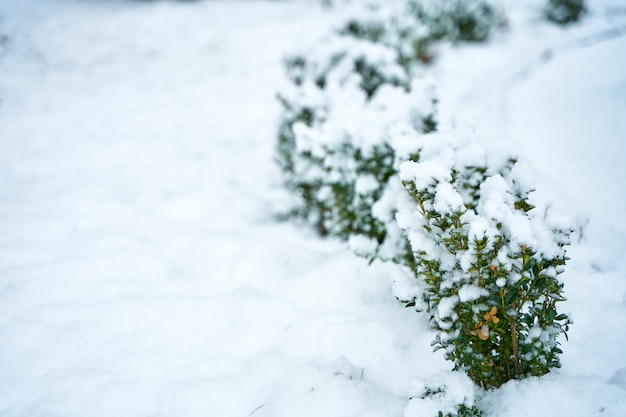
[(498, 82), (550, 53)]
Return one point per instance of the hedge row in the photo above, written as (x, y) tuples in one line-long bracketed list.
[(360, 147)]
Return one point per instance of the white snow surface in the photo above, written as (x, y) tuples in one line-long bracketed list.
[(143, 273)]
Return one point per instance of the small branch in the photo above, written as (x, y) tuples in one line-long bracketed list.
[(518, 371)]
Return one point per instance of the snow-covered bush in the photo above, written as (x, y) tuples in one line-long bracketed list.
[(448, 394), (564, 11), (459, 20), (359, 149), (346, 97), (347, 94), (415, 27), (487, 264)]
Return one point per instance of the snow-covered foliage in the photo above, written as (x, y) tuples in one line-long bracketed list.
[(358, 148), (486, 261), (564, 11), (448, 394), (415, 27), (346, 99)]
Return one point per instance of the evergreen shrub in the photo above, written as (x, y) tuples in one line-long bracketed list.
[(345, 99), (564, 11), (359, 148), (415, 27), (486, 261), (346, 95)]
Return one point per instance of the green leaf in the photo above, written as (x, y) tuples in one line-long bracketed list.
[(527, 263), (511, 296), (540, 284), (535, 269)]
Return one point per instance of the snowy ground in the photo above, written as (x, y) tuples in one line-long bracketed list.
[(142, 272)]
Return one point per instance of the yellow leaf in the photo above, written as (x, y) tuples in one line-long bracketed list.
[(492, 313)]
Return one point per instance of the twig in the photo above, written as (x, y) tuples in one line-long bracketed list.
[(518, 371)]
